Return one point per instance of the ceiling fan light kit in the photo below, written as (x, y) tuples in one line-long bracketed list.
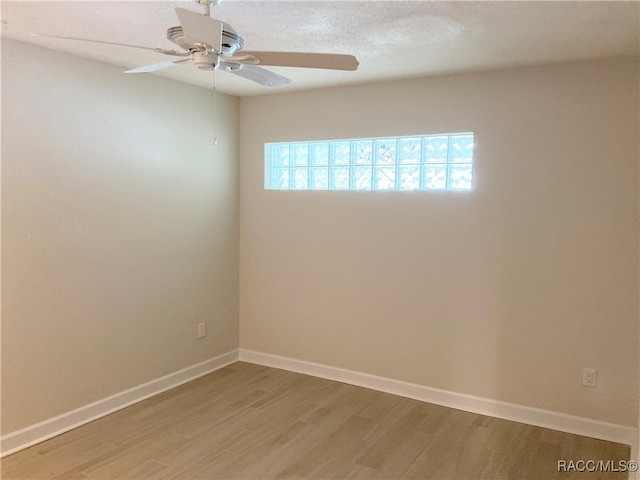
[(211, 44)]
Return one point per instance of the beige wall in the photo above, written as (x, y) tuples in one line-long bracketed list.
[(120, 234), (505, 292), (119, 230)]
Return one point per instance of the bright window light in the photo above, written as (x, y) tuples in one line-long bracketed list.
[(430, 162)]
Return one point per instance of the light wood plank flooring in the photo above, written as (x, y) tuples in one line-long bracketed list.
[(247, 421)]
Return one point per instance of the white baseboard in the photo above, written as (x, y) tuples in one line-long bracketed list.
[(39, 432), (20, 439), (494, 408)]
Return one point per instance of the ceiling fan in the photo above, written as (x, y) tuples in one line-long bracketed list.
[(211, 44)]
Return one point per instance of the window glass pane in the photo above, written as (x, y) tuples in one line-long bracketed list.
[(384, 178), (435, 149), (361, 152), (299, 154), (280, 178), (409, 150), (319, 178), (460, 177), (339, 178), (461, 148), (385, 151), (361, 178), (340, 153), (300, 178), (434, 177), (319, 154), (409, 177), (428, 162), (279, 154)]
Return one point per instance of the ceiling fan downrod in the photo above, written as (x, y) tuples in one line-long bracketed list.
[(206, 4)]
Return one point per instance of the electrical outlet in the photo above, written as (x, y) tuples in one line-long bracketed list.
[(202, 330), (589, 377)]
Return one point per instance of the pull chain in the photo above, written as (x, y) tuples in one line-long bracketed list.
[(215, 109)]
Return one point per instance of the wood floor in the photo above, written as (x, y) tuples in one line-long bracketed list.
[(247, 421)]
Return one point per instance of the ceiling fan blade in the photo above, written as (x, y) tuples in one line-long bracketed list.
[(92, 41), (329, 61), (158, 66), (201, 28), (158, 50), (256, 74)]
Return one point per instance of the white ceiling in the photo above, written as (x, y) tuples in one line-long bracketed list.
[(391, 39)]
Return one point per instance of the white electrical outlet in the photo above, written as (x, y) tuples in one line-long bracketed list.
[(589, 377), (202, 330)]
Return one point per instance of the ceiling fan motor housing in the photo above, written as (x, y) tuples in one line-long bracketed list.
[(231, 41), (205, 60)]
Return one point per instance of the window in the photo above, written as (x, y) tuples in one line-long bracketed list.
[(432, 162)]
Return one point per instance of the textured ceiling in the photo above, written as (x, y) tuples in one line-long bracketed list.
[(391, 39)]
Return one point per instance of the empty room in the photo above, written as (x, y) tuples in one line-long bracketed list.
[(320, 239)]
